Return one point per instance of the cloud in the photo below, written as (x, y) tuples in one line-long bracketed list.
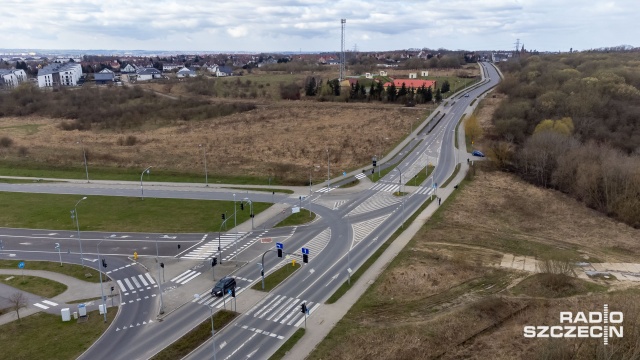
[(239, 31)]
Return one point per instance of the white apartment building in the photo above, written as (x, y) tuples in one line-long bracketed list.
[(66, 74), (12, 78)]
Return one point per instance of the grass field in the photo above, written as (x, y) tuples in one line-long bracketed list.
[(299, 218), (77, 271), (276, 277), (35, 285), (116, 213), (194, 338), (421, 176), (45, 336), (288, 345)]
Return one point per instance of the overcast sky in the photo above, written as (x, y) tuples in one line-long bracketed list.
[(314, 25)]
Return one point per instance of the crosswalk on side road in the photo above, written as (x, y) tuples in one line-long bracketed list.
[(137, 283), (210, 248), (185, 277), (324, 190), (45, 304), (385, 187), (282, 309)]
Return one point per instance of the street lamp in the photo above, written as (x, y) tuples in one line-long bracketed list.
[(147, 170), (213, 339), (206, 174), (104, 306), (250, 210), (84, 155), (159, 282), (328, 172), (401, 194), (235, 225), (74, 214)]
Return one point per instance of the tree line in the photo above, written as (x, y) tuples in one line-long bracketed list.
[(572, 122)]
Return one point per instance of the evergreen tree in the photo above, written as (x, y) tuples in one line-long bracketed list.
[(438, 96), (403, 91), (379, 89), (428, 97), (445, 87), (392, 92), (311, 88)]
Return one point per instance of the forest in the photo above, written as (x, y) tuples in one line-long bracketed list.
[(572, 122)]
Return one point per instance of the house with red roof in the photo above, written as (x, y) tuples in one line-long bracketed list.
[(411, 83)]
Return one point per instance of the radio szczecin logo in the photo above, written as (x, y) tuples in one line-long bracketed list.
[(596, 324)]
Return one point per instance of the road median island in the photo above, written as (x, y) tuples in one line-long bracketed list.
[(288, 345), (75, 271), (196, 337), (118, 213), (377, 176), (46, 336), (271, 190), (34, 285), (299, 218), (453, 176), (275, 278)]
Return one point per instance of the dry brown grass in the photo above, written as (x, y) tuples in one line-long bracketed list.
[(286, 139)]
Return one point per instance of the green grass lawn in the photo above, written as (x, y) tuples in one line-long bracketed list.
[(284, 191), (35, 285), (39, 170), (22, 181), (288, 345), (76, 271), (350, 184), (277, 277), (194, 338), (45, 336), (421, 176), (302, 217), (455, 172), (117, 213)]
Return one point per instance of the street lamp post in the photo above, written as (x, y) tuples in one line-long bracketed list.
[(401, 193), (250, 210), (328, 171), (84, 155), (59, 253), (235, 225), (159, 282), (213, 339), (206, 174), (104, 306), (74, 213), (141, 176)]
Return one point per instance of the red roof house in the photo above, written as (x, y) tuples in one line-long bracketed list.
[(412, 83)]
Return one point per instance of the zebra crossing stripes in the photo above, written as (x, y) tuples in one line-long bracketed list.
[(362, 229), (282, 309), (424, 190), (377, 201), (324, 190), (386, 187), (136, 283), (207, 299), (337, 204), (185, 277), (360, 176), (317, 244), (44, 305), (210, 248)]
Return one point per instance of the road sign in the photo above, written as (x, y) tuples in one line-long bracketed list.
[(279, 246), (21, 265), (344, 173), (305, 251), (295, 209)]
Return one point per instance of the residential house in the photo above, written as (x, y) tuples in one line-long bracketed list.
[(224, 71), (383, 73), (145, 74), (413, 75), (333, 62), (105, 76), (213, 68), (11, 78), (411, 83), (169, 67), (368, 76), (424, 73), (186, 72), (59, 74), (129, 69)]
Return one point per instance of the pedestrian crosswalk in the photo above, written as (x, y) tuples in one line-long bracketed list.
[(324, 190), (377, 201), (424, 190), (361, 176), (337, 204), (137, 283), (362, 229), (282, 309), (45, 304), (385, 187), (185, 277), (216, 302), (210, 248)]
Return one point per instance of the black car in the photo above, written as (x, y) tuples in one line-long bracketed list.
[(223, 286)]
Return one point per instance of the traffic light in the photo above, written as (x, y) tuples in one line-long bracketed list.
[(261, 272), (374, 163), (112, 289), (279, 252), (303, 308), (242, 206), (251, 215), (214, 262), (104, 263), (233, 292), (162, 265), (224, 216), (305, 258)]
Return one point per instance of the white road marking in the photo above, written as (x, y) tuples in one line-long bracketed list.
[(41, 306), (49, 302)]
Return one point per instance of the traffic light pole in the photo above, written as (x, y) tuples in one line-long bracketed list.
[(265, 253)]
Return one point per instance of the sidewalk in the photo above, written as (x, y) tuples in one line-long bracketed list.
[(319, 326), (76, 290)]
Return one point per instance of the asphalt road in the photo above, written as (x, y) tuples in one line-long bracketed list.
[(351, 227)]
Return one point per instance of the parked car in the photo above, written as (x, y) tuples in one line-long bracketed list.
[(477, 153), (225, 284)]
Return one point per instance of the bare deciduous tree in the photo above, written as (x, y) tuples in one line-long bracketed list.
[(18, 301)]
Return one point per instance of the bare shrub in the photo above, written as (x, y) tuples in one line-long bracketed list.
[(130, 140), (18, 301), (6, 142), (23, 151), (558, 265)]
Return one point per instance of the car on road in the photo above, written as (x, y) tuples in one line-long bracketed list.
[(466, 95), (225, 284), (477, 153)]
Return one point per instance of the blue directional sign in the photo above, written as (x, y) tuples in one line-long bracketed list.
[(279, 246), (229, 291), (305, 251), (344, 173), (435, 185), (21, 264)]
